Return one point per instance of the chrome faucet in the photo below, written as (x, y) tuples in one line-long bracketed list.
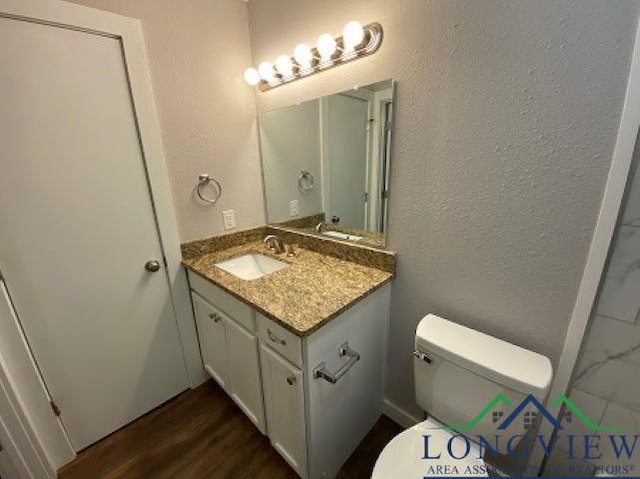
[(274, 243), (320, 227)]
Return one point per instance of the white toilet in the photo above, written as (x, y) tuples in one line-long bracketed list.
[(457, 372)]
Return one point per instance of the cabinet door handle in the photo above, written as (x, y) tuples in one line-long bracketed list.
[(275, 339), (291, 380), (215, 317), (321, 370)]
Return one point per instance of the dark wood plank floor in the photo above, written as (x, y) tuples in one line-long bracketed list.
[(202, 434)]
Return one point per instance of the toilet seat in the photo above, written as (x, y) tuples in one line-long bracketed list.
[(403, 456)]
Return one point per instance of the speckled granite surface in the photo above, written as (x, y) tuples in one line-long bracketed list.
[(196, 248), (305, 222), (369, 238), (307, 225), (356, 252), (313, 290)]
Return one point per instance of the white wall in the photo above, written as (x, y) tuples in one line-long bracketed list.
[(198, 50), (506, 117), (290, 142)]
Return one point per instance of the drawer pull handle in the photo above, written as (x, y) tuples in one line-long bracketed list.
[(291, 380), (275, 339), (345, 351)]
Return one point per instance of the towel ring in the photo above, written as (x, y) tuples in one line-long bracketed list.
[(305, 181), (203, 180)]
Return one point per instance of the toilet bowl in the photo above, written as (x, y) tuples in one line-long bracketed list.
[(403, 457), (472, 387)]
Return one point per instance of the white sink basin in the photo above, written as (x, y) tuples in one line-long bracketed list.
[(344, 236), (252, 266)]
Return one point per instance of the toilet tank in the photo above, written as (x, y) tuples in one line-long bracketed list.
[(459, 372)]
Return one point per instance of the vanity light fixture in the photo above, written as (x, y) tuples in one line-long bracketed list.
[(266, 71), (326, 47), (303, 57), (251, 76), (284, 65), (356, 42)]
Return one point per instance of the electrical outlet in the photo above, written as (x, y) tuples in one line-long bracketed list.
[(293, 208), (229, 217)]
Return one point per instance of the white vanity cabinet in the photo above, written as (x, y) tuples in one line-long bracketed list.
[(244, 372), (284, 403), (316, 396), (213, 344), (230, 355)]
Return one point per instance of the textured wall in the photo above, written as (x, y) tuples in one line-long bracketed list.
[(290, 142), (507, 113), (198, 50)]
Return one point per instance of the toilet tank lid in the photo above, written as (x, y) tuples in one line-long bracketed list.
[(499, 361)]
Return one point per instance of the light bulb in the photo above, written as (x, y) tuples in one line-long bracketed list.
[(251, 76), (326, 46), (266, 71), (352, 35), (284, 66), (303, 55)]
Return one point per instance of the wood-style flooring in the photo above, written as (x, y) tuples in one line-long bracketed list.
[(202, 434)]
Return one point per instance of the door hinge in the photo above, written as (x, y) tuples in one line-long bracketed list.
[(385, 194), (366, 196), (55, 408)]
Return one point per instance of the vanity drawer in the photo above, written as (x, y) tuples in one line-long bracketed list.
[(278, 338), (236, 309)]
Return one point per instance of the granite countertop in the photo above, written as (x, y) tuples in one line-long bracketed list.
[(369, 238), (302, 297)]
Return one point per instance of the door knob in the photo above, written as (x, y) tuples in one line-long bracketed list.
[(152, 266)]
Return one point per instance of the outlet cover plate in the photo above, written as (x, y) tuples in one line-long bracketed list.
[(293, 208), (229, 218)]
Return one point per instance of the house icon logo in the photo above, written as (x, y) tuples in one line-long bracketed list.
[(530, 411), (529, 418)]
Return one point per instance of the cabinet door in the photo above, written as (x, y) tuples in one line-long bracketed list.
[(213, 344), (245, 385), (284, 403)]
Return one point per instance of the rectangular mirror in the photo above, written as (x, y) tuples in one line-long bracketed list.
[(326, 164)]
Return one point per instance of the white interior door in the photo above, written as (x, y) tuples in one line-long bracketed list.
[(78, 227), (348, 157), (7, 469)]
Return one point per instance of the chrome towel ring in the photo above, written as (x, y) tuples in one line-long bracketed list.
[(203, 180), (305, 181)]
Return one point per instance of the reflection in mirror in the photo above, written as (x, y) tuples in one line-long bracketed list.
[(326, 164)]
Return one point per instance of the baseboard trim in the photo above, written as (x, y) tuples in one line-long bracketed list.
[(399, 415)]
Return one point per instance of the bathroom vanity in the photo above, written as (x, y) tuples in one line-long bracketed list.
[(299, 340), (301, 349)]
